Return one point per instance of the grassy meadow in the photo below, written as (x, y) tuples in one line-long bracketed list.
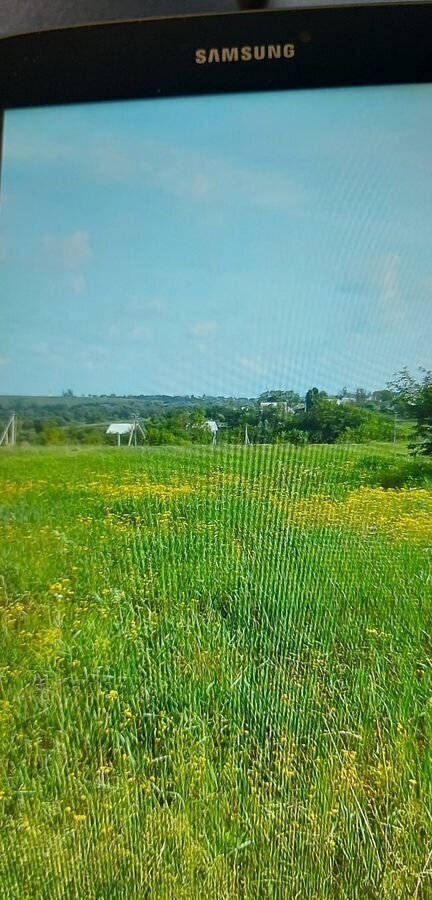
[(215, 673)]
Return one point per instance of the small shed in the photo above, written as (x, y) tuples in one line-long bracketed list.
[(120, 428), (213, 427)]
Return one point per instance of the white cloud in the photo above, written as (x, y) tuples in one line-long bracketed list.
[(78, 284), (201, 186), (4, 361), (137, 333), (252, 364), (122, 332), (198, 177), (146, 305), (179, 172), (40, 348), (204, 329), (70, 251)]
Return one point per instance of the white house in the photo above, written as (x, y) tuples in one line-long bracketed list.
[(276, 404)]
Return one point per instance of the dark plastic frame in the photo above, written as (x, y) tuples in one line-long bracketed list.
[(337, 46)]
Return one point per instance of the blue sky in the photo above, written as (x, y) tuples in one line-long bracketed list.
[(219, 245)]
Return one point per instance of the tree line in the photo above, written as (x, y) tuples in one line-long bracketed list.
[(402, 410)]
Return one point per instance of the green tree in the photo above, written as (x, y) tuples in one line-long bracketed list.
[(311, 398), (52, 435), (361, 396), (423, 414), (278, 396), (326, 422), (414, 398), (405, 390), (297, 437)]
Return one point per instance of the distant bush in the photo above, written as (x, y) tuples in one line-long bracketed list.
[(297, 437), (375, 428), (396, 473), (157, 436), (52, 435), (94, 436)]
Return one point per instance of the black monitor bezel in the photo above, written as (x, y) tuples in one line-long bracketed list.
[(334, 47)]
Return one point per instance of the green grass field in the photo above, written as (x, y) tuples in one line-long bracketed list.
[(215, 674)]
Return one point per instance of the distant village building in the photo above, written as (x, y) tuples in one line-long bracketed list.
[(276, 404), (342, 401)]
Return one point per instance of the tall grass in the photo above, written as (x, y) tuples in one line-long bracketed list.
[(205, 688)]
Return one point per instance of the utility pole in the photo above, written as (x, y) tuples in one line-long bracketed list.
[(9, 433)]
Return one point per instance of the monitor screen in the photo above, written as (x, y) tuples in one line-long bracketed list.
[(216, 496)]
